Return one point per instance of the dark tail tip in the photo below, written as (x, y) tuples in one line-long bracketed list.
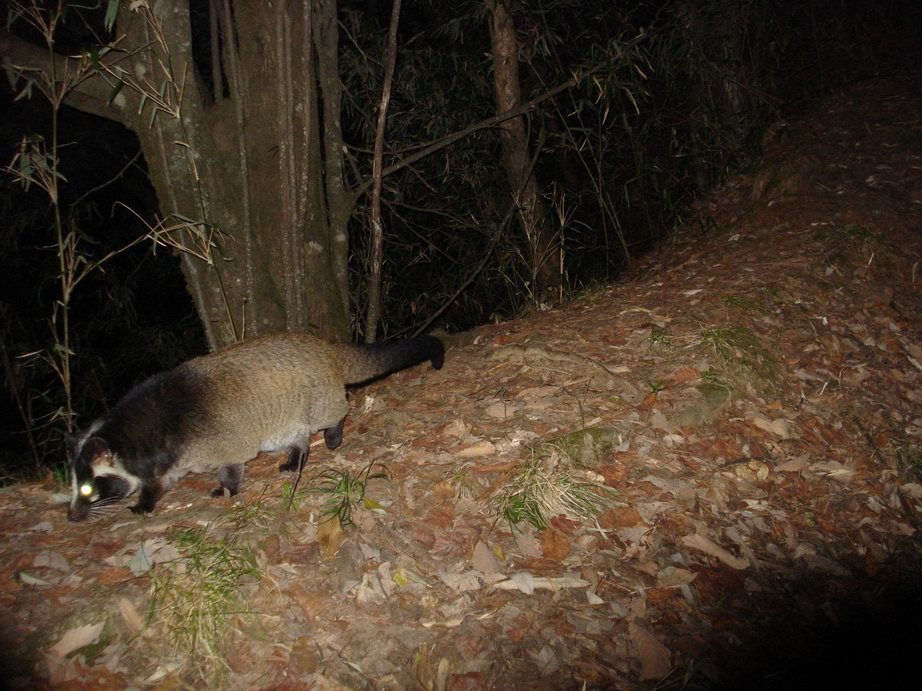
[(436, 351), (365, 363)]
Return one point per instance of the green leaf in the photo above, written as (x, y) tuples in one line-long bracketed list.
[(111, 13), (115, 91)]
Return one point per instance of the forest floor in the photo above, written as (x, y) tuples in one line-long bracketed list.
[(727, 445)]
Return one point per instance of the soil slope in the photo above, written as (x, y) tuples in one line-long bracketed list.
[(751, 398)]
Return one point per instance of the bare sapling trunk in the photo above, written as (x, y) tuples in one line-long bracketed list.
[(376, 255), (543, 244)]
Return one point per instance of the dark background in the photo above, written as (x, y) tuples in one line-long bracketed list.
[(134, 317)]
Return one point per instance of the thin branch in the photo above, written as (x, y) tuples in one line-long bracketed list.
[(120, 174), (447, 140), (513, 208)]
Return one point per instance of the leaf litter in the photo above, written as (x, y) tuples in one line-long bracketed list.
[(742, 422)]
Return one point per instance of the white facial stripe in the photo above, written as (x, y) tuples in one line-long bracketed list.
[(75, 494), (115, 468), (87, 433)]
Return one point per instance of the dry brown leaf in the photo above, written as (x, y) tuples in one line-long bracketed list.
[(648, 401), (309, 604), (114, 574), (330, 535), (554, 544), (443, 491), (481, 448), (620, 517), (655, 658), (683, 375), (271, 547), (613, 473)]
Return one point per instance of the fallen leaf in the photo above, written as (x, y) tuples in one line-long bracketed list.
[(370, 591), (469, 681), (672, 577), (50, 559), (795, 465), (620, 517), (659, 596), (130, 615), (330, 535), (913, 489), (683, 375), (614, 474), (272, 548), (484, 560), (460, 582), (29, 579), (501, 410), (309, 603), (564, 524), (304, 657), (835, 470), (593, 599), (403, 577), (780, 427), (655, 658), (455, 428), (522, 581), (43, 527), (77, 638), (141, 562), (526, 583), (112, 575), (527, 544), (533, 392), (700, 542), (481, 448), (680, 489), (554, 544)]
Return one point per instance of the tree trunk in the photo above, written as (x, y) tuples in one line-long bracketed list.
[(255, 178), (544, 248)]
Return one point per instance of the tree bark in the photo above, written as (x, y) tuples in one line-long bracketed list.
[(543, 243), (254, 176)]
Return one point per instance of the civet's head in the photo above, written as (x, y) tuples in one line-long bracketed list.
[(98, 479)]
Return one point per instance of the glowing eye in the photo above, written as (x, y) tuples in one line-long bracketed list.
[(86, 489)]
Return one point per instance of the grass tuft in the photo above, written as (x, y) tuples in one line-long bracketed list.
[(740, 354), (536, 493), (197, 596), (346, 492)]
